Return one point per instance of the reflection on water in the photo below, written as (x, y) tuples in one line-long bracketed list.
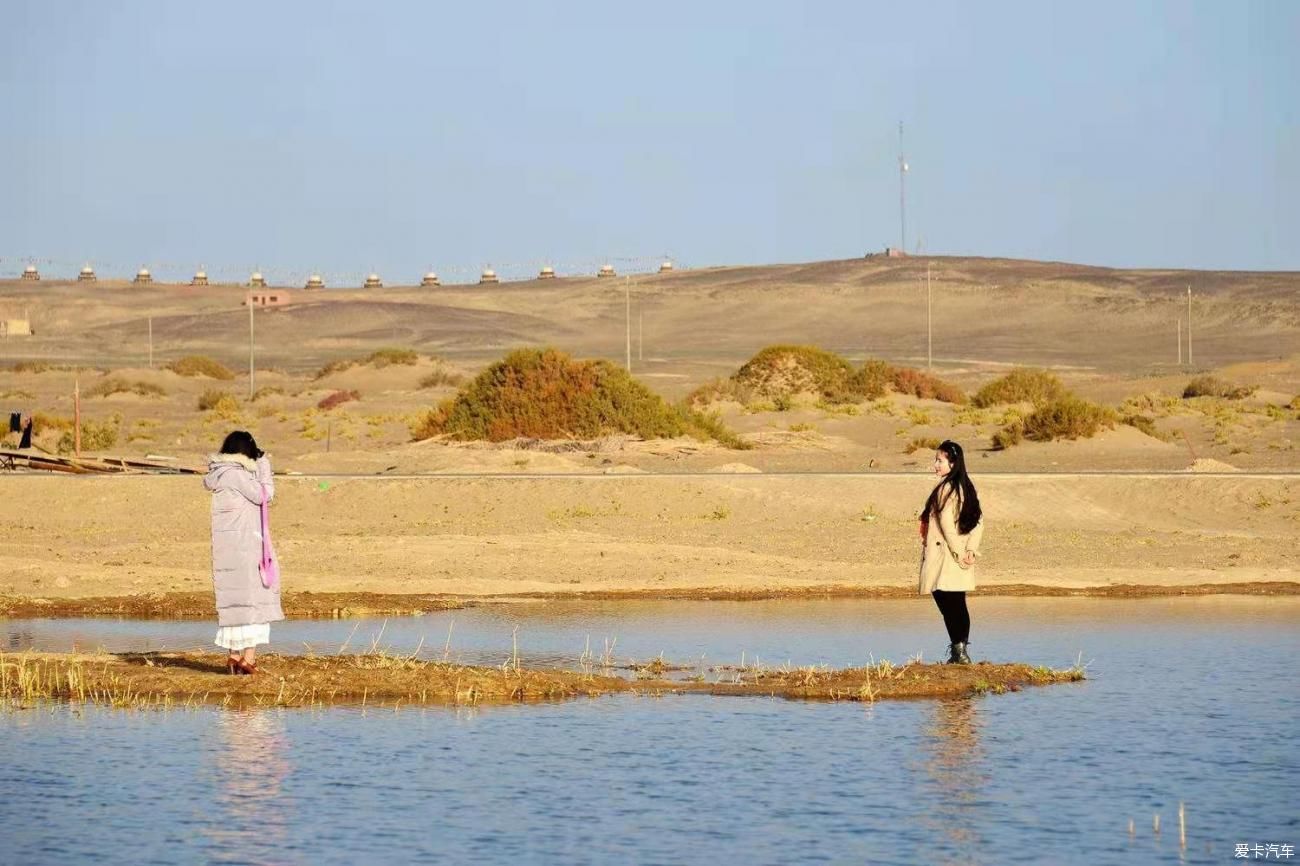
[(251, 757), (950, 751)]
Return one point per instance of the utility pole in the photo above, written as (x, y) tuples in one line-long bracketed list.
[(902, 192), (929, 322), (627, 318), (248, 299), (76, 411), (640, 331), (1180, 342), (151, 342), (1189, 326)]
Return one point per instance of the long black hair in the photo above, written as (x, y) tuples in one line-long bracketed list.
[(959, 483), (241, 442)]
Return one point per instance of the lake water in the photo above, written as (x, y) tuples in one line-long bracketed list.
[(1191, 700)]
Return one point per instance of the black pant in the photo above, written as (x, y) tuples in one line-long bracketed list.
[(955, 618)]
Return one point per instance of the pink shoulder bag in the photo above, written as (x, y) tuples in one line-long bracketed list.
[(269, 566)]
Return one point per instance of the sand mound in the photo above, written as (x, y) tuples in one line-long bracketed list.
[(736, 468), (1209, 464)]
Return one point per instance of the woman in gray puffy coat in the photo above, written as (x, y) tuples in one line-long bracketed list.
[(240, 479)]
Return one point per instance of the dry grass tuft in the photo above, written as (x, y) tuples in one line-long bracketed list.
[(1065, 418), (338, 398), (1209, 386)]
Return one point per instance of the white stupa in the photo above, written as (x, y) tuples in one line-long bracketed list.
[(143, 277), (606, 271), (30, 273), (548, 273), (373, 282), (430, 279), (200, 277), (87, 275), (666, 267), (257, 281), (488, 276), (314, 282)]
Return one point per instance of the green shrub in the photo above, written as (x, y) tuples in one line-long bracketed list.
[(110, 385), (546, 394), (1022, 385), (200, 365), (95, 435), (708, 425), (1209, 386), (338, 398)]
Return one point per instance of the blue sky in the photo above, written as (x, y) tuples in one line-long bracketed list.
[(345, 137)]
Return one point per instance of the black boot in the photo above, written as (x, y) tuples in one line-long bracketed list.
[(957, 654)]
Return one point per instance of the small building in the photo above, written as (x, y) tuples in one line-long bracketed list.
[(143, 277), (87, 275), (257, 281), (31, 274), (314, 283), (606, 271), (200, 278), (666, 267), (488, 276), (430, 279), (268, 298), (895, 253), (548, 273), (15, 327), (373, 282)]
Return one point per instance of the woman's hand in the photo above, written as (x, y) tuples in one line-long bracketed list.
[(967, 559)]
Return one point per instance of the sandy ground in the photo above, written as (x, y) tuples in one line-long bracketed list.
[(68, 537)]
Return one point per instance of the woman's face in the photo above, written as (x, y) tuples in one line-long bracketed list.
[(942, 466)]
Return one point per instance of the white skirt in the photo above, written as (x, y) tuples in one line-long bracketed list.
[(238, 637)]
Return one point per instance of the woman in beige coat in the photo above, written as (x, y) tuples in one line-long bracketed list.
[(951, 529)]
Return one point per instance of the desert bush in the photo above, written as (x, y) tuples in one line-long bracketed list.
[(31, 367), (200, 365), (1022, 385), (1295, 403), (1210, 386), (110, 385), (267, 391), (907, 380), (927, 443), (380, 358), (709, 425), (95, 435), (338, 398), (17, 394), (1145, 424), (387, 357), (1067, 418), (42, 422), (718, 390), (546, 394), (783, 371), (441, 377), (1008, 436), (221, 402), (872, 380), (919, 416)]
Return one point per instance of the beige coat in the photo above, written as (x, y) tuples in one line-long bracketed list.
[(942, 549), (237, 485)]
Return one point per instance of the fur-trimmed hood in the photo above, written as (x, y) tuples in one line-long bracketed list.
[(214, 460)]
